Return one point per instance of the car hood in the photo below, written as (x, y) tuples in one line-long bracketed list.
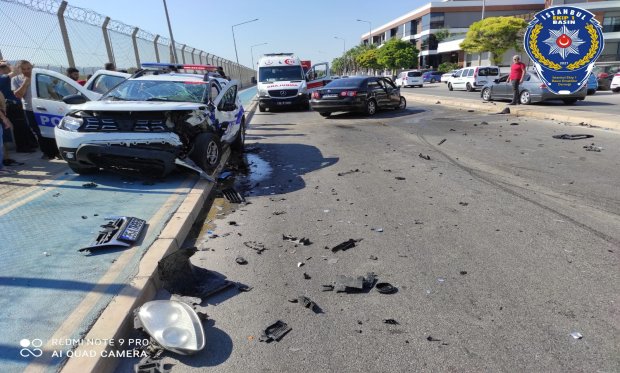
[(137, 106)]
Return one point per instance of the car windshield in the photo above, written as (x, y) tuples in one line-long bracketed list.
[(158, 90), (280, 73), (345, 83)]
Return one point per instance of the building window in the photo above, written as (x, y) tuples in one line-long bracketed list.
[(432, 21), (428, 42), (413, 29), (611, 24)]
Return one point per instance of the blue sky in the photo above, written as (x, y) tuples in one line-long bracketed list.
[(306, 28)]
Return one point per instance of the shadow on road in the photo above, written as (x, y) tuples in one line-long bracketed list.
[(384, 114)]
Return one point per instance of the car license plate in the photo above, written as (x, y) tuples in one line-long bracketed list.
[(284, 103), (330, 96)]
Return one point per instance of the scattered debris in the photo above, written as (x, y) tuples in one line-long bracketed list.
[(514, 124), (452, 130), (225, 175), (400, 178), (427, 157), (46, 253), (438, 102), (307, 276), (56, 195), (233, 196), (483, 123), (244, 288), (152, 365), (372, 257), (505, 111), (275, 331), (380, 230), (256, 246), (463, 203), (352, 284), (241, 260), (388, 170), (233, 223), (275, 213), (442, 141), (308, 303), (326, 211), (300, 264), (592, 148), (463, 273), (84, 217), (348, 172), (190, 301), (441, 280), (416, 221), (391, 322), (301, 241), (576, 335), (344, 246), (332, 260), (327, 287), (566, 136), (470, 111), (386, 288), (89, 185), (431, 339)]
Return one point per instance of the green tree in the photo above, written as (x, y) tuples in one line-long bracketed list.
[(338, 65), (442, 34), (397, 54), (446, 67), (496, 35), (368, 59)]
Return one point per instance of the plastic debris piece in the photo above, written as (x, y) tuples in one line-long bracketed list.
[(431, 339), (463, 273), (442, 141), (344, 246), (233, 223), (566, 136), (84, 217), (463, 203), (332, 260), (244, 288), (46, 253), (441, 280), (89, 185), (301, 241), (391, 322), (505, 111), (275, 213), (327, 287), (308, 303), (386, 288), (275, 331), (348, 172), (240, 260), (470, 111), (325, 211), (400, 178), (300, 264), (592, 148), (372, 257), (346, 284), (427, 157), (576, 335), (256, 246), (307, 276), (514, 124), (152, 365)]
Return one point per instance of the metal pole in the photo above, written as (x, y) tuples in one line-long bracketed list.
[(106, 39), (252, 52), (156, 49), (193, 60), (135, 46), (65, 34), (174, 49), (183, 53), (481, 18)]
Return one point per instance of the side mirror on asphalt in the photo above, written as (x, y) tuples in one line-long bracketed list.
[(74, 99)]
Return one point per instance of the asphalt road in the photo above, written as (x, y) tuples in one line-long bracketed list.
[(601, 101), (501, 245)]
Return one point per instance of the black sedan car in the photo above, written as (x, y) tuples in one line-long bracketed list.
[(361, 93)]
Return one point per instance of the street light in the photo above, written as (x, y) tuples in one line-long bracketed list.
[(252, 51), (174, 47), (369, 30), (235, 43), (344, 44)]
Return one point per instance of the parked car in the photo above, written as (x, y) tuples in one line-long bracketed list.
[(361, 94), (615, 83), (445, 77), (153, 122), (531, 90), (410, 78), (592, 84), (431, 76), (334, 77), (605, 75), (472, 78)]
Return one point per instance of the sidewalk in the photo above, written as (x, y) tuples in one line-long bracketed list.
[(604, 120)]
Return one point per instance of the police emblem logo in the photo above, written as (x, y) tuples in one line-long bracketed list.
[(564, 43)]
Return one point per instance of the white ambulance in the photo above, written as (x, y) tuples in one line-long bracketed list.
[(282, 81)]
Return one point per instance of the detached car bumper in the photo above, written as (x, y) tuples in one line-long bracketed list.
[(268, 101)]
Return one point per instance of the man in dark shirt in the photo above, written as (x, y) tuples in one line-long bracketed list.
[(25, 140), (517, 73)]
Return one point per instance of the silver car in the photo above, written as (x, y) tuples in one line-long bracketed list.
[(531, 90)]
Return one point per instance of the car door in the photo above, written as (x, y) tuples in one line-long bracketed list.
[(501, 89), (376, 91), (457, 80), (317, 76), (104, 80), (393, 94), (48, 89), (227, 111)]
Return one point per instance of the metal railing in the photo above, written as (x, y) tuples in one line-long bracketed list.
[(54, 35)]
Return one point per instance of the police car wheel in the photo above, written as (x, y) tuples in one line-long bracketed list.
[(261, 109), (239, 142), (206, 152)]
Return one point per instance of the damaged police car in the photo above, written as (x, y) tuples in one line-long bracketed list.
[(152, 122)]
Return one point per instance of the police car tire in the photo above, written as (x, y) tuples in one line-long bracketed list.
[(82, 170), (200, 154), (239, 142), (261, 109)]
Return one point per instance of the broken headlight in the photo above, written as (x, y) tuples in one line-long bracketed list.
[(70, 123), (174, 325)]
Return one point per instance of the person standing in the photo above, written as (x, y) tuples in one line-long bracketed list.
[(5, 123), (517, 73), (21, 88), (74, 74), (25, 140)]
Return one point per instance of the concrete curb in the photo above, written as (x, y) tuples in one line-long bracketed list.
[(581, 118)]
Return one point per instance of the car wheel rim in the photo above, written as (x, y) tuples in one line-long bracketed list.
[(371, 107), (525, 97), (486, 96), (212, 153)]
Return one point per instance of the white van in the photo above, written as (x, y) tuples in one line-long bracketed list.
[(410, 78), (282, 81), (472, 78)]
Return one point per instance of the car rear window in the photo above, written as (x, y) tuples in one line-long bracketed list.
[(488, 71), (345, 83), (414, 74)]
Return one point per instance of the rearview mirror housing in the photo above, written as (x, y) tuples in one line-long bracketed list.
[(74, 99)]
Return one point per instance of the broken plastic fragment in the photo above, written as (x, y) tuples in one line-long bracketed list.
[(275, 331), (390, 321), (566, 136), (427, 157), (431, 339), (300, 264), (256, 246), (386, 288), (400, 178), (307, 276), (244, 288), (240, 260), (576, 335), (89, 185), (372, 257), (442, 141), (346, 245), (301, 241)]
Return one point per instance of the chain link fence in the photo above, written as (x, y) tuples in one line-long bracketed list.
[(54, 35)]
